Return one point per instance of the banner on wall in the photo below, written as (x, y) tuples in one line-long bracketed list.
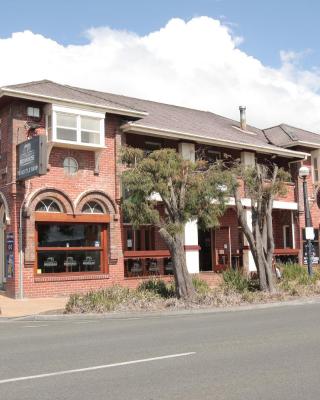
[(10, 255)]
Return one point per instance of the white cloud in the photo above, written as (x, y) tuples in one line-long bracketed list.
[(197, 64)]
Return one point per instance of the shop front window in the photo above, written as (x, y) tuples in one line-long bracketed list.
[(70, 247)]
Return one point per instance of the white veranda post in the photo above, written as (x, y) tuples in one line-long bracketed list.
[(187, 150)]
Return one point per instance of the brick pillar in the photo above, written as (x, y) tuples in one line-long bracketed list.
[(187, 150)]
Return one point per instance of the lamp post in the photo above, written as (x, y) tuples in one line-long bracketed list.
[(309, 232)]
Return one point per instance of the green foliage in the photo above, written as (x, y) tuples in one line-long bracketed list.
[(188, 190), (258, 180), (201, 286), (157, 287), (297, 273), (235, 280)]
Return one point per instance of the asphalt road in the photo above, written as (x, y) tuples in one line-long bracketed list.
[(260, 354)]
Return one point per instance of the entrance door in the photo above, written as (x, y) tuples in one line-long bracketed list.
[(2, 247), (205, 254)]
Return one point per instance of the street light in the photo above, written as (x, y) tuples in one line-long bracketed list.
[(309, 232)]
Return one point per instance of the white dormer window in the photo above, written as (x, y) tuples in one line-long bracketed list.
[(75, 127)]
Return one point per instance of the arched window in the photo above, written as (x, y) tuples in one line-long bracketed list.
[(92, 207), (48, 205)]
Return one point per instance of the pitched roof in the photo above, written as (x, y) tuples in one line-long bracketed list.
[(154, 115), (53, 90), (284, 135)]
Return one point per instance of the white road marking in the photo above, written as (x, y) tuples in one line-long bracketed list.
[(74, 371), (33, 326)]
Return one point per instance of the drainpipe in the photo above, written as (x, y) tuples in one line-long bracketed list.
[(20, 245)]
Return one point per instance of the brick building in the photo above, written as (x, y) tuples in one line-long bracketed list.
[(63, 232)]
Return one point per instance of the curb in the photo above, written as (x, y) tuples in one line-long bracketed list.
[(157, 314)]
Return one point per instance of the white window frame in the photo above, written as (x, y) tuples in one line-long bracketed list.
[(315, 154), (284, 228), (78, 113)]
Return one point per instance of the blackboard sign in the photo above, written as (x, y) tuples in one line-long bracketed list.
[(32, 157)]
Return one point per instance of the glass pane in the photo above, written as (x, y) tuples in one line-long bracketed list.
[(69, 235), (90, 137), (66, 134), (67, 120), (92, 208), (90, 124), (69, 261), (48, 205)]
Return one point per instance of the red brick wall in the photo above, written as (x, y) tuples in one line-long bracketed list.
[(72, 192)]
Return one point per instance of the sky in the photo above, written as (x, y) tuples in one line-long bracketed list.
[(207, 54)]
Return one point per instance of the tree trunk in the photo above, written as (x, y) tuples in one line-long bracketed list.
[(183, 280)]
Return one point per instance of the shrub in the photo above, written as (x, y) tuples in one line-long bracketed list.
[(201, 286), (297, 273), (98, 301), (235, 280), (157, 287)]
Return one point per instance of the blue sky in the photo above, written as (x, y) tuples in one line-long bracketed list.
[(266, 26), (207, 54)]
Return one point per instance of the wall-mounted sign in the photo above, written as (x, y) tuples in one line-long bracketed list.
[(32, 157), (309, 233), (10, 255)]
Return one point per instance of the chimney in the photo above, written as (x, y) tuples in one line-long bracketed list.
[(243, 119)]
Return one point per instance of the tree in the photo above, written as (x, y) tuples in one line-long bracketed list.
[(187, 190), (262, 184)]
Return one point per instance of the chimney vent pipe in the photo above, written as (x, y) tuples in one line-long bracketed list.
[(243, 118)]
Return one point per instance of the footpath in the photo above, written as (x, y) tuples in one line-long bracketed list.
[(10, 308)]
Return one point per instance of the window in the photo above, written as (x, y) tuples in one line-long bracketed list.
[(287, 237), (92, 207), (70, 247), (80, 127), (48, 205), (207, 154), (66, 127), (139, 239), (33, 112), (149, 147), (90, 130), (315, 163), (315, 170), (212, 156), (70, 166)]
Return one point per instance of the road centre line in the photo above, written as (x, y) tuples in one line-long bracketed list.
[(105, 366)]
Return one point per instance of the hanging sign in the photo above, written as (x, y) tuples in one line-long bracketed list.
[(32, 157)]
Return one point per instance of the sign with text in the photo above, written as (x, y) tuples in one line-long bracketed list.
[(32, 157), (10, 256)]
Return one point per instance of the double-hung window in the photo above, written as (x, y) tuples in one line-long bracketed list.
[(76, 127)]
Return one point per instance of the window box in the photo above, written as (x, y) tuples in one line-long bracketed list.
[(75, 128)]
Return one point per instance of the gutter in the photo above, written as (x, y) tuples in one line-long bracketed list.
[(303, 143), (153, 131), (26, 95)]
